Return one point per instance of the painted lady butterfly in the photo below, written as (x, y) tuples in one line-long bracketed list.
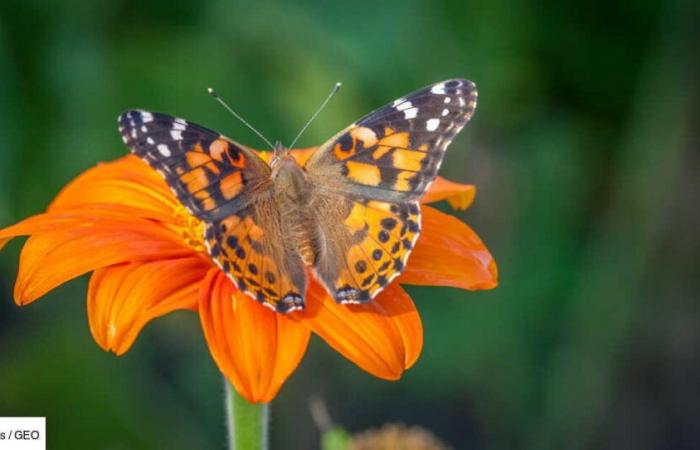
[(350, 213)]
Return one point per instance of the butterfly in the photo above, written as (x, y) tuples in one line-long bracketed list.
[(349, 216)]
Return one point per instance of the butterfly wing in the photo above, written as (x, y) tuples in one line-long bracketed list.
[(210, 174), (249, 246), (379, 167), (366, 244), (228, 186), (394, 153)]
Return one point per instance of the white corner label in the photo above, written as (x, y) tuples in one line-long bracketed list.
[(22, 433)]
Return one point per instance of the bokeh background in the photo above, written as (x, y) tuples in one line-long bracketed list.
[(584, 149)]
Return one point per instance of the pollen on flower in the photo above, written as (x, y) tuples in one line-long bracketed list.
[(190, 228)]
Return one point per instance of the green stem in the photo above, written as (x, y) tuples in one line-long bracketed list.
[(247, 422)]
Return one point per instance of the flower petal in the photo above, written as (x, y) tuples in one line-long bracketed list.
[(125, 181), (383, 337), (300, 154), (459, 196), (66, 245), (76, 217), (256, 348), (449, 253), (123, 299), (398, 305)]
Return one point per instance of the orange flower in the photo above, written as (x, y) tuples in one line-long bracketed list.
[(120, 221)]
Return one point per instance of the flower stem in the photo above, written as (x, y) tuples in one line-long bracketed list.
[(247, 422)]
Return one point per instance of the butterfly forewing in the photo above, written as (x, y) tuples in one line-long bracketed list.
[(210, 174), (394, 153)]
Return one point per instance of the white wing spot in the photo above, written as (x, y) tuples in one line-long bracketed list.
[(164, 150), (146, 116), (404, 105), (461, 101), (133, 133), (178, 125), (410, 113), (150, 140), (124, 138), (143, 129), (176, 134), (432, 124), (438, 89), (181, 121), (445, 112), (448, 99), (398, 101)]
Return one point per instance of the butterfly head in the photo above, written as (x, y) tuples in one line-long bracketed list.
[(289, 177), (282, 157), (280, 149)]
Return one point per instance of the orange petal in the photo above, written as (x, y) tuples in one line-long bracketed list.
[(123, 299), (126, 181), (300, 154), (76, 217), (459, 196), (256, 348), (303, 154), (449, 253), (67, 245), (383, 337), (399, 306)]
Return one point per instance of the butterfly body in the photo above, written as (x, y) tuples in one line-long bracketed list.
[(293, 195), (349, 216)]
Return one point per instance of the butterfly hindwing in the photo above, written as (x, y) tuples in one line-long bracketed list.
[(394, 153), (248, 246), (211, 175), (367, 244)]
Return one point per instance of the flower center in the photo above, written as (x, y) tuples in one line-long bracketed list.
[(190, 228)]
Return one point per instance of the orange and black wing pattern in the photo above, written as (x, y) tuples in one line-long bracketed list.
[(250, 247), (394, 153), (380, 166), (367, 245), (208, 173)]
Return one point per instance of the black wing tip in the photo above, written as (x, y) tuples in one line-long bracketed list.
[(123, 117), (133, 118), (457, 82), (453, 84), (129, 113)]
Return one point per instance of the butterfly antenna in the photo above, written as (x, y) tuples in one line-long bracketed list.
[(237, 116), (320, 108)]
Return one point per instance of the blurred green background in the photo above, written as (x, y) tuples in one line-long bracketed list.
[(584, 149)]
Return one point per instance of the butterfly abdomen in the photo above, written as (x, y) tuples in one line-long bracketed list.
[(293, 194)]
